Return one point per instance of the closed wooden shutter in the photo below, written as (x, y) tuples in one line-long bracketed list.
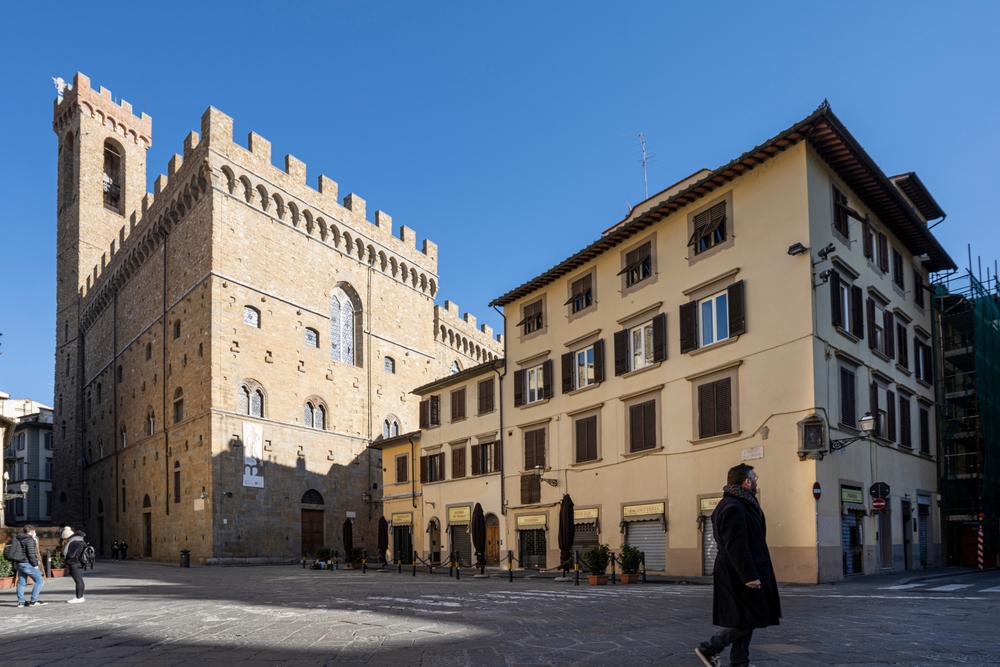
[(723, 406), (890, 415), (531, 489), (903, 345), (497, 456), (548, 389), (474, 454), (435, 410), (836, 306), (872, 338), (648, 425), (889, 326), (458, 463), (440, 466), (689, 326), (857, 312), (599, 360), (486, 391), (706, 410), (425, 414), (621, 352), (883, 252), (928, 370), (918, 288), (586, 439), (518, 388), (458, 405), (737, 309), (423, 469), (925, 431), (540, 447), (905, 433), (529, 450), (567, 373), (869, 240), (660, 337), (873, 407), (635, 428), (848, 416), (402, 469)]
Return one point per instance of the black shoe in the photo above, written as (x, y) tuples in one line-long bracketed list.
[(710, 659)]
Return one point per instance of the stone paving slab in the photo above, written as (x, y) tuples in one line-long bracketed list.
[(271, 616)]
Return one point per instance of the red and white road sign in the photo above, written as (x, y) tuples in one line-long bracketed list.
[(878, 504), (980, 548), (816, 490)]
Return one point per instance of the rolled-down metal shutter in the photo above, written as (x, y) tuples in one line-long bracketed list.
[(648, 537), (461, 542), (584, 537), (922, 536), (709, 548)]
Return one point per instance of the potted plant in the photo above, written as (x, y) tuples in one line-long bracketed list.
[(58, 565), (356, 557), (6, 573), (597, 558), (630, 559)]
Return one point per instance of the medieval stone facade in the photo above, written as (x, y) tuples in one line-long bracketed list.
[(229, 344)]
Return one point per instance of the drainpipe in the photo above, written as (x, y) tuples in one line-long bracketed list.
[(413, 481), (500, 376)]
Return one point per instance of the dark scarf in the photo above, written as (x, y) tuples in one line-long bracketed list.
[(749, 497)]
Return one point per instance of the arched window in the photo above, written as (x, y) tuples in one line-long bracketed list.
[(251, 316), (309, 415), (124, 438), (150, 422), (455, 368), (315, 414), (319, 418), (390, 426), (243, 401), (342, 347), (312, 497), (146, 502), (113, 176), (178, 405), (390, 365), (312, 337)]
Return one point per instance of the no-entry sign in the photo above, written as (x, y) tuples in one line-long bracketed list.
[(816, 490), (878, 504)]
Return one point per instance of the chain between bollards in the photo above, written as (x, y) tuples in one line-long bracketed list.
[(576, 568)]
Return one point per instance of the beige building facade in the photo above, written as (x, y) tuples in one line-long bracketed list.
[(229, 344), (754, 313)]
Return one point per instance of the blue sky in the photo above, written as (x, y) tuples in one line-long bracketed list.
[(495, 126)]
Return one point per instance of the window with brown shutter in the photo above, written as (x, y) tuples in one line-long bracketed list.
[(425, 414), (423, 469), (889, 333), (715, 408), (737, 309), (873, 409), (925, 430), (599, 360), (840, 212), (458, 463), (497, 456), (567, 367), (638, 265), (531, 489), (586, 439), (534, 449), (476, 463), (659, 337), (548, 390), (486, 400), (890, 416), (533, 318), (642, 426), (435, 411), (709, 228), (902, 344), (848, 404), (458, 405), (621, 352), (873, 341), (898, 270), (905, 432), (581, 294), (869, 239), (402, 469), (836, 300), (883, 252), (518, 388), (918, 288), (857, 312), (689, 327)]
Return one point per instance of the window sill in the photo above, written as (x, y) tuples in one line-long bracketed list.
[(899, 289), (880, 354), (840, 235), (581, 390), (905, 371), (533, 404), (483, 474), (925, 455), (488, 412), (457, 421), (642, 452), (925, 383), (647, 367), (847, 334), (580, 464), (721, 343), (716, 438)]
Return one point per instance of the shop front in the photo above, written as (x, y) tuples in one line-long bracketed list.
[(852, 500), (531, 540), (459, 517), (586, 528), (402, 537), (645, 527), (709, 547)]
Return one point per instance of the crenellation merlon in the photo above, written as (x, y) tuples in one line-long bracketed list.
[(383, 221), (216, 128), (190, 143), (328, 188), (260, 147), (355, 205), (296, 169), (430, 249), (160, 184), (174, 165)]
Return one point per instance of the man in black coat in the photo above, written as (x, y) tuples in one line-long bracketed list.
[(746, 592)]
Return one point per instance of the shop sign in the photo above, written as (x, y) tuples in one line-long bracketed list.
[(709, 504), (849, 495), (402, 518), (580, 515), (642, 510), (460, 514), (530, 520)]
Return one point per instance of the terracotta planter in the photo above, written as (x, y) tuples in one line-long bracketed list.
[(58, 572), (630, 578), (7, 582), (597, 579)]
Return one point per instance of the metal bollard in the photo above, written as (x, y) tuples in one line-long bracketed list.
[(414, 563), (644, 568), (613, 569), (399, 562), (576, 568), (47, 565), (458, 565), (364, 561), (510, 566)]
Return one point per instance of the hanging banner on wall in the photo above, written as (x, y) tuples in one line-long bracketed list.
[(253, 454)]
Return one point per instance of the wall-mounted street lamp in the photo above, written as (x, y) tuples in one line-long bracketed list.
[(867, 424), (539, 471)]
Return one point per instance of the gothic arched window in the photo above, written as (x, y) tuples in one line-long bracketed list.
[(250, 399), (342, 327)]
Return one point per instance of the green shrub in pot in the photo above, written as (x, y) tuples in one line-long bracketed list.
[(597, 558)]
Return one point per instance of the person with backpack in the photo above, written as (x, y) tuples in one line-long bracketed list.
[(22, 551), (124, 549), (76, 556), (114, 550)]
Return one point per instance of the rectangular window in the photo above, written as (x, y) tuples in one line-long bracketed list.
[(47, 474), (584, 367), (641, 345), (486, 398), (533, 318), (925, 431), (178, 411), (902, 346), (20, 441), (642, 426), (177, 330), (713, 318), (844, 300), (251, 316), (709, 228), (432, 468), (848, 398), (458, 463), (922, 361), (177, 486), (918, 288), (638, 265), (715, 408), (581, 294), (878, 320), (531, 489), (905, 430), (485, 458), (534, 384), (430, 412), (534, 449), (840, 213), (312, 338), (586, 439), (402, 469), (47, 439), (458, 405), (898, 269)]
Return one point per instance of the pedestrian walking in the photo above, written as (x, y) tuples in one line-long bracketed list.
[(124, 549), (746, 592), (75, 554), (114, 550), (23, 553)]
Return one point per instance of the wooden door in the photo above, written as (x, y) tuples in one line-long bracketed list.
[(492, 540), (312, 531)]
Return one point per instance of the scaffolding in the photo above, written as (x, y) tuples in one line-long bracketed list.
[(967, 313)]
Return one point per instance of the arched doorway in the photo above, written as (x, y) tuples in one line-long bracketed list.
[(434, 540), (312, 521), (492, 540)]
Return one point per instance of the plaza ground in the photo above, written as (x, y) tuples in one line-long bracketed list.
[(158, 615)]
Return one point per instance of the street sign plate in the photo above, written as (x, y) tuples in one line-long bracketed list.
[(879, 490), (878, 504), (816, 490)]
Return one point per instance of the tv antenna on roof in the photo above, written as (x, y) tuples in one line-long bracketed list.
[(645, 159)]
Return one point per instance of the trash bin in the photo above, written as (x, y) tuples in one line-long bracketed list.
[(185, 558)]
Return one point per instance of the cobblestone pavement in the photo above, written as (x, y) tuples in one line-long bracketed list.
[(144, 614)]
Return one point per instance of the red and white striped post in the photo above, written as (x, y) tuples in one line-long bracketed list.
[(980, 547)]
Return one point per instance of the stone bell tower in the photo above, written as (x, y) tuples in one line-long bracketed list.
[(101, 183)]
